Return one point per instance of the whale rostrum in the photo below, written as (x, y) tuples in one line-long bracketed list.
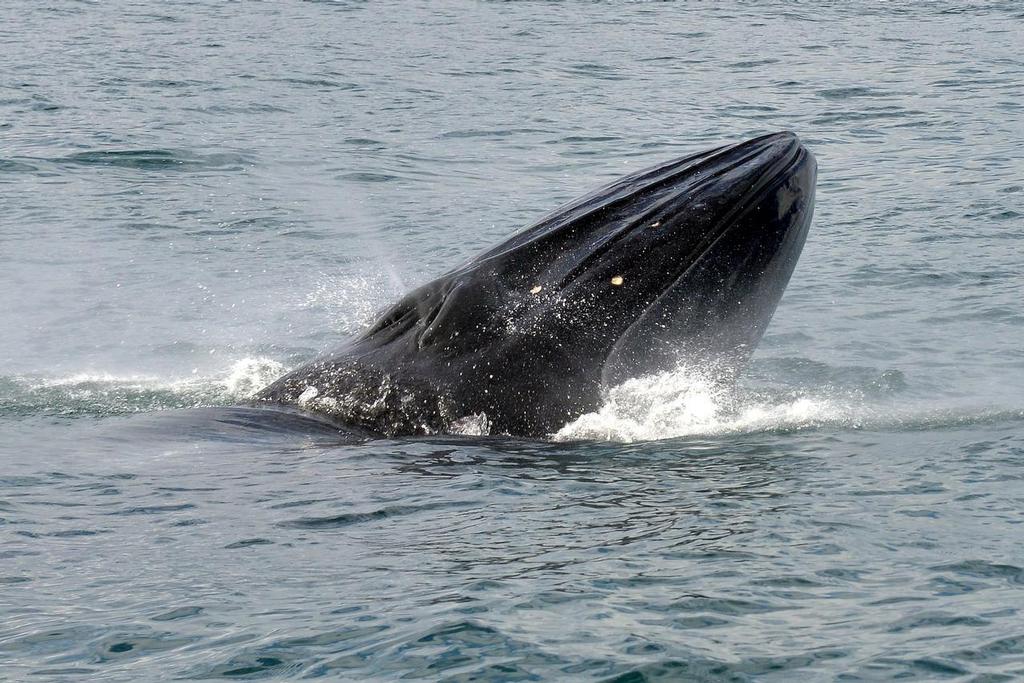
[(684, 261)]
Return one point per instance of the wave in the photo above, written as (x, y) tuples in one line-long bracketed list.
[(103, 394), (686, 402), (145, 160), (680, 403)]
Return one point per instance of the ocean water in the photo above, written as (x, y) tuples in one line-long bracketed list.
[(197, 196)]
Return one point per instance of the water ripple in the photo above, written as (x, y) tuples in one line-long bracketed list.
[(196, 198)]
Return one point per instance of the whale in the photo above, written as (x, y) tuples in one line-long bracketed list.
[(682, 262)]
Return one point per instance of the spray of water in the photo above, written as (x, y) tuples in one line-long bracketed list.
[(681, 403), (104, 393), (689, 402), (351, 302), (249, 375)]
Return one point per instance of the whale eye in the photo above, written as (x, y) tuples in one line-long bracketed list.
[(617, 280)]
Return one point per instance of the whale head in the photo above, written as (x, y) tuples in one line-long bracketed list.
[(684, 261)]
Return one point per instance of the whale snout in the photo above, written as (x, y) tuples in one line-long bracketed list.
[(684, 260), (733, 252)]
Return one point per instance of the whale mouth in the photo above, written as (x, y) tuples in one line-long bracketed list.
[(779, 169), (776, 169), (685, 260), (711, 300), (656, 216)]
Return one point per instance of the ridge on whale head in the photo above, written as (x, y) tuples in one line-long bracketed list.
[(686, 260)]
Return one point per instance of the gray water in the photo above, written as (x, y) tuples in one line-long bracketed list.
[(197, 196)]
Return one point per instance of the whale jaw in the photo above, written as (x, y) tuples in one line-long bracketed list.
[(683, 261)]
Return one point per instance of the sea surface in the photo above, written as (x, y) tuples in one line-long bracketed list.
[(198, 196)]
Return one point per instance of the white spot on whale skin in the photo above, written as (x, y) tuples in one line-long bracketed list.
[(617, 280), (327, 403), (308, 394), (536, 289)]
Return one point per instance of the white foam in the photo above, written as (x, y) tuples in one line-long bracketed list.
[(684, 402), (680, 403), (249, 375), (87, 378), (471, 425), (240, 381)]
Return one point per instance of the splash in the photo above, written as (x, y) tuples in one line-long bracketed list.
[(471, 425), (249, 375), (681, 403), (685, 402), (104, 393), (352, 302)]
